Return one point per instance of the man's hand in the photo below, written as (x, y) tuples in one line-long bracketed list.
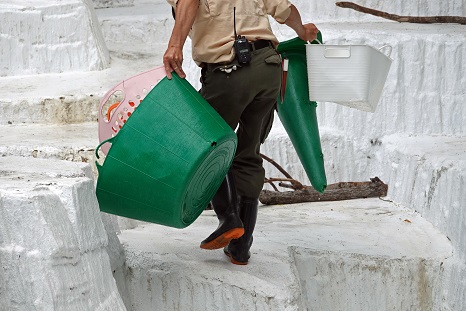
[(309, 32), (173, 60)]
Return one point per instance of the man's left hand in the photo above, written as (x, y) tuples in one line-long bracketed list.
[(308, 32)]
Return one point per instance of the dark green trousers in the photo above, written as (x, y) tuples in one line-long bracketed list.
[(245, 98)]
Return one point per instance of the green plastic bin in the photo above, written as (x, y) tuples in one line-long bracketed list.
[(298, 114), (168, 160)]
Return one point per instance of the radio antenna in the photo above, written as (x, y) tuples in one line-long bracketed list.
[(234, 21)]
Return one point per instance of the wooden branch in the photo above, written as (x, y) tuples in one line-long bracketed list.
[(271, 183), (295, 184), (287, 186), (277, 166), (404, 19), (334, 192)]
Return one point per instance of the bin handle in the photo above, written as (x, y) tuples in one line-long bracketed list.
[(386, 46), (309, 42), (100, 145)]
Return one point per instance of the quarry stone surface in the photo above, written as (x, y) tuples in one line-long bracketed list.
[(406, 251), (347, 255)]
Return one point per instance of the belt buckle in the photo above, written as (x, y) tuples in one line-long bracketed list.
[(228, 69)]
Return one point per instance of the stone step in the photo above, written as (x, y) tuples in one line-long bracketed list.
[(71, 97), (427, 173), (50, 37), (145, 26), (72, 142), (312, 256), (53, 244)]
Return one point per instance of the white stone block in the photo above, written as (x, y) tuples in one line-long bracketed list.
[(337, 281), (133, 31), (430, 173), (52, 241), (426, 173), (50, 37)]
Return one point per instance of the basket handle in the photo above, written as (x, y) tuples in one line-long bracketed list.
[(100, 145), (389, 48)]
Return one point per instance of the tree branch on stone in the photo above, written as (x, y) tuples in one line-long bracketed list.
[(404, 19), (334, 192)]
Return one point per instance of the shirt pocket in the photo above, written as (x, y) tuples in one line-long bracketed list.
[(243, 7)]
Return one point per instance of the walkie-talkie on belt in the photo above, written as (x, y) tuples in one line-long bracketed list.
[(241, 45)]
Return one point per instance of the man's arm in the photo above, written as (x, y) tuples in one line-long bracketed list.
[(307, 32), (186, 11)]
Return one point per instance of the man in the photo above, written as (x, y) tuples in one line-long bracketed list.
[(241, 80)]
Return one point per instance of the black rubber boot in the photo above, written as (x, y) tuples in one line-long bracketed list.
[(225, 205), (238, 250)]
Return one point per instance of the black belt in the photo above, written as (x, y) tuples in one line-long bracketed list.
[(260, 44), (256, 45)]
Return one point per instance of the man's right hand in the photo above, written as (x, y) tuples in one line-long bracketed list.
[(186, 11), (173, 61)]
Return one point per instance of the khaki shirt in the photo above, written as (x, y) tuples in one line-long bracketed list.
[(212, 34)]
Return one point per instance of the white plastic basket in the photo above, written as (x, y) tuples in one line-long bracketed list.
[(350, 75)]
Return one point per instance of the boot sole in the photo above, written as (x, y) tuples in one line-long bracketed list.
[(234, 261), (223, 239)]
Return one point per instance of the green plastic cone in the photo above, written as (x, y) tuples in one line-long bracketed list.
[(298, 114)]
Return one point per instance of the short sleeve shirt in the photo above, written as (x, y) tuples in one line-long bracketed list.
[(213, 34)]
